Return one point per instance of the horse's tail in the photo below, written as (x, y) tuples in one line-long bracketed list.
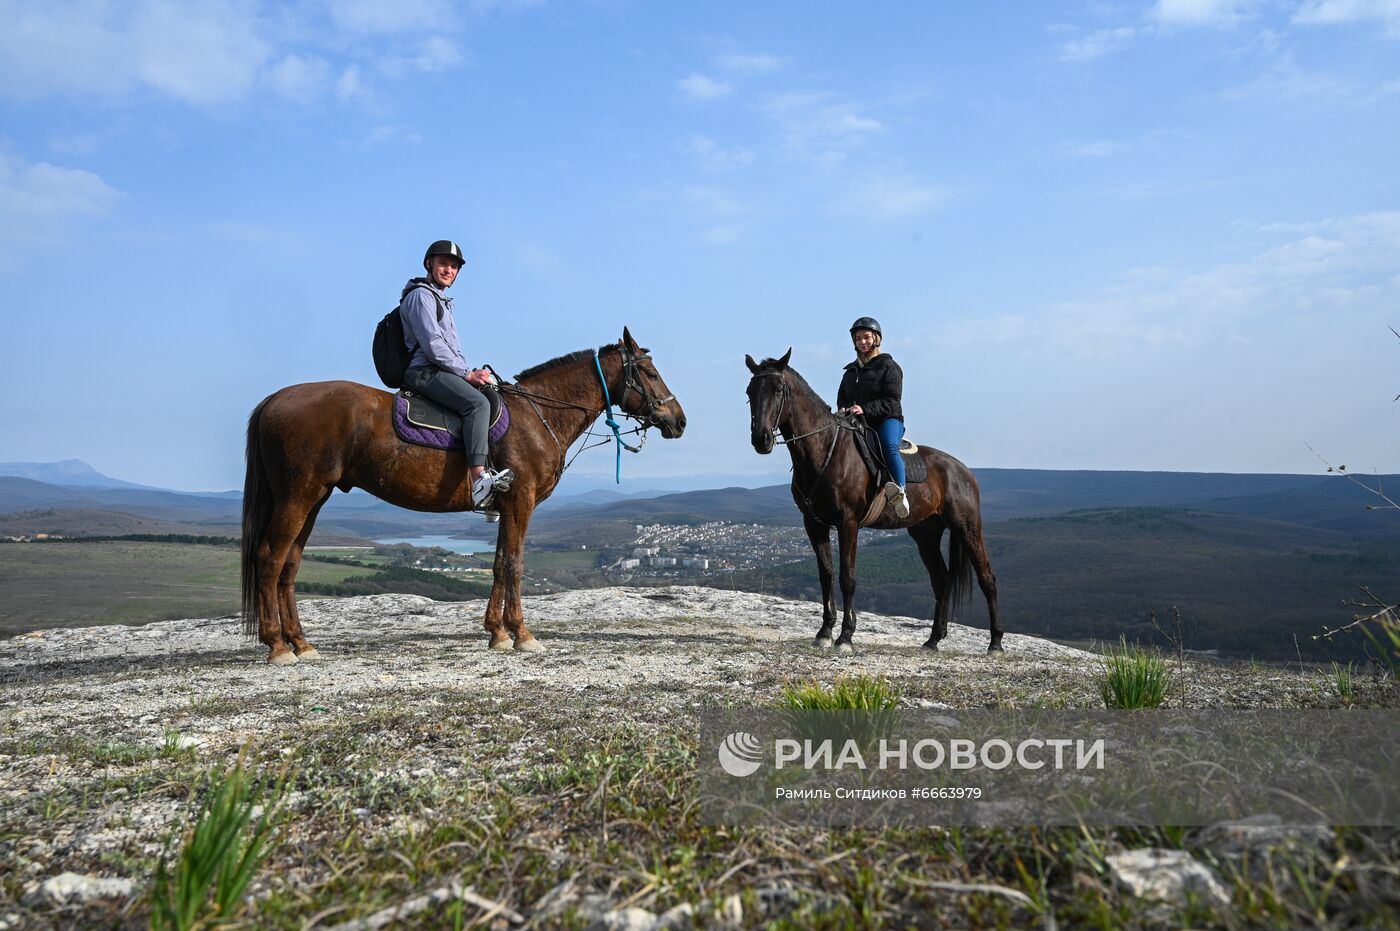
[(960, 571), (257, 510)]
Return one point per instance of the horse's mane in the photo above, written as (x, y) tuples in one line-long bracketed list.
[(567, 359)]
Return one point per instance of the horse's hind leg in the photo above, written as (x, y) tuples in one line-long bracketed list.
[(820, 535), (287, 592), (847, 537), (987, 581), (929, 538), (286, 522)]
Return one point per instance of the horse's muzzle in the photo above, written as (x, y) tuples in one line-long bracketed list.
[(670, 425), (763, 442)]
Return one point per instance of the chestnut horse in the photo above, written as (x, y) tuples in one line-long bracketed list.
[(832, 487), (305, 441)]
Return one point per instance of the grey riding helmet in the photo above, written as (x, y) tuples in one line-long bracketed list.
[(444, 247), (867, 323)]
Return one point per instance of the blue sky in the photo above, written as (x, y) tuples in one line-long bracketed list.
[(1105, 236)]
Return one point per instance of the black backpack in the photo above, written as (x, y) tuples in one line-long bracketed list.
[(391, 354)]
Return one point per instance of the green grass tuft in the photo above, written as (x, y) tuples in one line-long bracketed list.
[(1343, 682), (1132, 678), (228, 843), (847, 693)]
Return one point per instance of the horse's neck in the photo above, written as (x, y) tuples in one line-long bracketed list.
[(577, 385)]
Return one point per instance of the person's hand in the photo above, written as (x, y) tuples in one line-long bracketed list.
[(477, 376), (855, 409)]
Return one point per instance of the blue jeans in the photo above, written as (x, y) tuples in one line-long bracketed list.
[(891, 431)]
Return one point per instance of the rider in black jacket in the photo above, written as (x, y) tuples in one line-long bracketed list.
[(872, 388)]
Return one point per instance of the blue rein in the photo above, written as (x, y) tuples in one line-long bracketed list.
[(617, 432)]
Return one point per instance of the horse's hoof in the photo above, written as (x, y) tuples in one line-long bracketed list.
[(823, 643), (995, 649), (845, 648), (308, 655), (502, 644), (529, 646), (284, 658), (931, 645)]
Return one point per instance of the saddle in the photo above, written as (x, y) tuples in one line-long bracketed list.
[(423, 423), (872, 453)]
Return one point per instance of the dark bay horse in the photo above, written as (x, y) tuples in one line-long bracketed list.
[(306, 441), (833, 488)]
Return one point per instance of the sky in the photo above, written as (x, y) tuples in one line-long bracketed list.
[(1158, 236)]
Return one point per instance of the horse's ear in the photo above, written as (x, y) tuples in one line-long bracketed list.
[(628, 341), (782, 363), (753, 366)]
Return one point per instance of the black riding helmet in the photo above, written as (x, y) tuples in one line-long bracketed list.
[(444, 247), (867, 323)]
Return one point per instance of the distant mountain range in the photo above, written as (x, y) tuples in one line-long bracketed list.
[(66, 472), (1327, 502)]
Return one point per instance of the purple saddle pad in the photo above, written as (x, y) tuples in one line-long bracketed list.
[(423, 423)]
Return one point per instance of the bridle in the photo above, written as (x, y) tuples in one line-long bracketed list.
[(836, 425), (650, 404), (782, 392), (840, 423)]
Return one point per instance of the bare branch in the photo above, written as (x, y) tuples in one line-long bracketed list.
[(1378, 491)]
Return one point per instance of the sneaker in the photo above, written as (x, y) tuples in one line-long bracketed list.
[(490, 482), (895, 495)]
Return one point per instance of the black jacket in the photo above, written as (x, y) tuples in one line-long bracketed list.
[(877, 386)]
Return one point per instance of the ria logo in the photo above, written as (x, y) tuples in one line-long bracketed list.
[(740, 754)]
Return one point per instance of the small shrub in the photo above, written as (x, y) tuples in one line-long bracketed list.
[(1133, 678), (228, 843)]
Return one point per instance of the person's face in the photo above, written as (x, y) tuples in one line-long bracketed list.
[(864, 341), (443, 269)]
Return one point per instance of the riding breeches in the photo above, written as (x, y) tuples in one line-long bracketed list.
[(462, 398), (891, 431)]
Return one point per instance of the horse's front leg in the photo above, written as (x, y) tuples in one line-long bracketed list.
[(513, 526), (847, 535), (820, 535), (495, 606)]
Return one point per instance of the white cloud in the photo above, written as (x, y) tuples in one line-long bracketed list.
[(722, 234), (376, 17), (703, 87), (1199, 12), (1321, 267), (1101, 148), (381, 135), (39, 201), (891, 197), (299, 78), (1334, 12), (1098, 44), (1286, 81), (350, 85), (714, 157), (433, 54), (738, 63), (218, 51), (484, 7), (199, 53), (818, 127)]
